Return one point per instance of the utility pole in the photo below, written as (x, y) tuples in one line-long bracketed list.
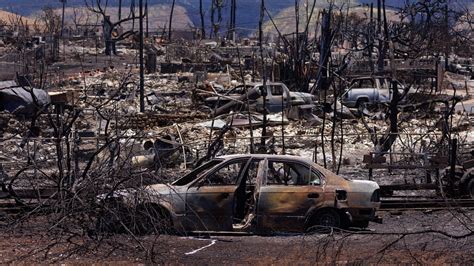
[(146, 15), (142, 70)]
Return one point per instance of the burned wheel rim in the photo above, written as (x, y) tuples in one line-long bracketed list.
[(329, 220), (470, 188), (325, 218)]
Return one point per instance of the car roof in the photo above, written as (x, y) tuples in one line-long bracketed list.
[(253, 84), (326, 172), (267, 156)]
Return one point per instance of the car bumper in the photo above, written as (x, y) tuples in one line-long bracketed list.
[(364, 215)]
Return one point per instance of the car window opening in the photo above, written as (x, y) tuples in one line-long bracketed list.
[(289, 173), (196, 172), (226, 175)]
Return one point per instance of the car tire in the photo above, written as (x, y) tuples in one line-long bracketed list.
[(111, 218), (324, 220), (361, 103), (470, 188), (151, 219)]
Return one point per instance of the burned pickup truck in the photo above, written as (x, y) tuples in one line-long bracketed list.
[(277, 98), (369, 91), (254, 193)]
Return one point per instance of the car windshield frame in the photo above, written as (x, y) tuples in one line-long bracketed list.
[(197, 173)]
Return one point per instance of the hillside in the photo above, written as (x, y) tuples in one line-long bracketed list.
[(158, 17), (10, 18), (286, 22)]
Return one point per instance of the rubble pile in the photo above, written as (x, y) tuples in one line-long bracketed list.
[(208, 99)]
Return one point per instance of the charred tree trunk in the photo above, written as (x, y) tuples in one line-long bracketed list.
[(264, 87), (120, 10), (142, 69), (325, 53), (370, 37), (231, 31), (296, 60), (380, 60), (216, 4), (203, 27), (146, 16), (386, 142), (171, 20)]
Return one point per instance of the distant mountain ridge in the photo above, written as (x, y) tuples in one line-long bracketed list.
[(247, 10), (246, 7)]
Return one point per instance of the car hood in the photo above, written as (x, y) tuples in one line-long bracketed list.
[(160, 188), (300, 94)]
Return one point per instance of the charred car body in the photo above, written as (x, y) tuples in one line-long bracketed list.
[(369, 91), (277, 98), (255, 194)]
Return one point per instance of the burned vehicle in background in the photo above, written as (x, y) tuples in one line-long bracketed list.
[(364, 91), (277, 98), (254, 193)]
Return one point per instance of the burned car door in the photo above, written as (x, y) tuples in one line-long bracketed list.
[(290, 190), (275, 100), (210, 200), (246, 196)]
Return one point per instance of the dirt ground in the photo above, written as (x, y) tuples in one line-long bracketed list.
[(408, 237)]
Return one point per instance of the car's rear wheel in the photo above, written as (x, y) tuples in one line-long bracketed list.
[(324, 220), (361, 104), (470, 188)]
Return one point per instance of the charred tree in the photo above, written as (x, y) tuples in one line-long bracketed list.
[(171, 20), (322, 82), (98, 7), (264, 74), (232, 20), (203, 26), (142, 69)]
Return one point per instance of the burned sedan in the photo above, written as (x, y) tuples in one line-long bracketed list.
[(255, 194)]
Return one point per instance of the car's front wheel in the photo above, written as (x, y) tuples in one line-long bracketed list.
[(150, 219)]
